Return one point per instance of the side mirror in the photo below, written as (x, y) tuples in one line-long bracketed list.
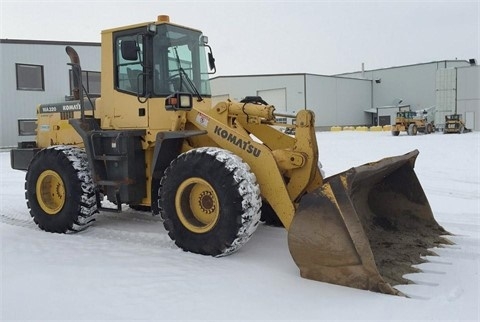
[(211, 59), (211, 62), (129, 50)]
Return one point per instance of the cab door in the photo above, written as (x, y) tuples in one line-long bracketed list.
[(130, 107)]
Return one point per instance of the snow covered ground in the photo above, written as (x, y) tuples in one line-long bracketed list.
[(126, 268)]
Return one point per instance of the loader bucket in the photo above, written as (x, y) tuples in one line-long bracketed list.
[(365, 227)]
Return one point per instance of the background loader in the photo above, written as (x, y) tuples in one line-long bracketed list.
[(410, 122), (154, 141)]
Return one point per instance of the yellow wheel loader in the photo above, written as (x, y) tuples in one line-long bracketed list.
[(154, 141), (408, 121)]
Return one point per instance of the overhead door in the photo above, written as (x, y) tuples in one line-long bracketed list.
[(276, 97)]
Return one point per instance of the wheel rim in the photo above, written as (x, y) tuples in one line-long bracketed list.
[(50, 191), (197, 205)]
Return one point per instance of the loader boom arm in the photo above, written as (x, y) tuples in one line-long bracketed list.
[(285, 167)]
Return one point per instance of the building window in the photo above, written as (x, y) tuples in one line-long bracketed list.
[(90, 80), (30, 77), (27, 127)]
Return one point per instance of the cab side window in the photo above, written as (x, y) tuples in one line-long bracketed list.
[(130, 75)]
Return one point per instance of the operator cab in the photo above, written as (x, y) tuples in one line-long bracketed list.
[(161, 60)]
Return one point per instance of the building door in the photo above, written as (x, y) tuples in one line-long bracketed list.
[(470, 120), (276, 97), (384, 120)]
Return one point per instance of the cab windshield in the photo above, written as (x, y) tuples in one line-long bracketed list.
[(179, 62)]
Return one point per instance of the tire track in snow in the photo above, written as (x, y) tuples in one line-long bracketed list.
[(430, 281), (112, 228), (454, 193), (17, 221), (461, 229), (159, 239), (131, 227)]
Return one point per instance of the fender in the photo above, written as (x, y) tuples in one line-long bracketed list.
[(168, 146)]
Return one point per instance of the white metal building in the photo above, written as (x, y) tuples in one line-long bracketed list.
[(35, 72)]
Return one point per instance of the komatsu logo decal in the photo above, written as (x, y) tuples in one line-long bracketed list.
[(62, 107), (242, 144)]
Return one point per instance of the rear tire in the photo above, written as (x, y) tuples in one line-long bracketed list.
[(210, 201), (59, 190), (395, 133)]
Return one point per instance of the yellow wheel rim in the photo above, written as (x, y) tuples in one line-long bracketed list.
[(197, 205), (50, 192)]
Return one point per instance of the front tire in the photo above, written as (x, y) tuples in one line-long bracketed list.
[(59, 190), (412, 129), (210, 201)]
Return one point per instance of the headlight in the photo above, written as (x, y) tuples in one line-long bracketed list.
[(179, 101)]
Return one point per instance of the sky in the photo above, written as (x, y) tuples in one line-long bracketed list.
[(274, 37)]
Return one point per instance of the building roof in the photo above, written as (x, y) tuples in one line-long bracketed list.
[(48, 42), (286, 74), (470, 62)]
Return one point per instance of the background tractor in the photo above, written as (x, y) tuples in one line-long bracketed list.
[(408, 121), (154, 141)]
